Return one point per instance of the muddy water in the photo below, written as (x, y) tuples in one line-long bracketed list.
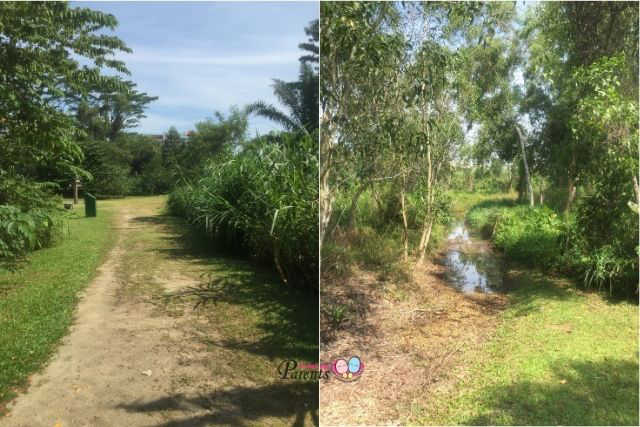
[(472, 266)]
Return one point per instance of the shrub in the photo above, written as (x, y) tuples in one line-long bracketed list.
[(602, 243), (531, 236), (586, 245), (373, 249), (484, 215), (21, 232), (29, 216), (262, 200)]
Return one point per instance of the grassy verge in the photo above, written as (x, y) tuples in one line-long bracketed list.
[(37, 301), (532, 236), (463, 201), (560, 357)]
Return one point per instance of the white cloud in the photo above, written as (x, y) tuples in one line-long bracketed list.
[(188, 94), (158, 123), (192, 57), (207, 91)]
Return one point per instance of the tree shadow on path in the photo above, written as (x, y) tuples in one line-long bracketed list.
[(288, 315), (281, 324), (238, 406)]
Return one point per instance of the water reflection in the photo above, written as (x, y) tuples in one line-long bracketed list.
[(471, 265), (459, 232)]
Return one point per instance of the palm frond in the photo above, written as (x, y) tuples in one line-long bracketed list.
[(270, 112)]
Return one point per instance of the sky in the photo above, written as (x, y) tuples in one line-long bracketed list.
[(198, 58)]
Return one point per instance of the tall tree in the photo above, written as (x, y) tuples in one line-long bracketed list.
[(564, 38), (170, 147), (213, 137), (40, 73), (311, 46), (105, 113), (357, 68)]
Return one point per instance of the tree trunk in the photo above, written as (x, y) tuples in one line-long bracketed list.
[(511, 175), (526, 166), (571, 185), (325, 196), (571, 194), (405, 225), (354, 204), (424, 239), (428, 221), (76, 181)]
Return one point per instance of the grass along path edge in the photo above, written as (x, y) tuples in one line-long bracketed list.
[(559, 357), (37, 301)]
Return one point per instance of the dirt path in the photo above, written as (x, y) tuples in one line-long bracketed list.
[(130, 360), (415, 340)]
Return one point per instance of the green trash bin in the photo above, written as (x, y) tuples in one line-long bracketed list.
[(89, 205)]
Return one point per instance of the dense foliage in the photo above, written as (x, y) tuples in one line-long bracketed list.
[(130, 165), (420, 99), (541, 237), (261, 202), (42, 47), (257, 197)]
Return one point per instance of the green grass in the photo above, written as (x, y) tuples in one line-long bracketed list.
[(558, 357), (532, 236), (482, 215), (37, 300), (463, 201)]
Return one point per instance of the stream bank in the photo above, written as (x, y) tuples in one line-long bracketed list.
[(414, 337), (472, 264)]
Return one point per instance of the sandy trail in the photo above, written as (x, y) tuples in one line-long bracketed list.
[(117, 356)]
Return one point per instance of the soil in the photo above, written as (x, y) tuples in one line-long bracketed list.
[(416, 340)]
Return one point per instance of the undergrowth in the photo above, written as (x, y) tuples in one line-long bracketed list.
[(540, 237)]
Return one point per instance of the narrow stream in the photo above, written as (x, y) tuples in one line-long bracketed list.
[(472, 266)]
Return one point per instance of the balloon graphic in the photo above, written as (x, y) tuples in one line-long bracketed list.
[(341, 366), (354, 364)]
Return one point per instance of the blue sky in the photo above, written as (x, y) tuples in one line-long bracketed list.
[(204, 57)]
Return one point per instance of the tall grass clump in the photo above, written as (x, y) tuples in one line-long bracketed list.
[(596, 252), (602, 243), (530, 236), (262, 201)]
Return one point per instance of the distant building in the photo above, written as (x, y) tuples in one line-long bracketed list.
[(157, 137), (163, 137)]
